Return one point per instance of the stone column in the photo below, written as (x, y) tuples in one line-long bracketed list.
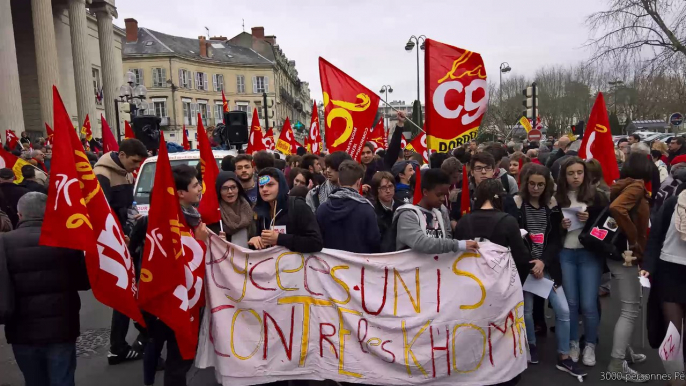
[(83, 75), (108, 59), (11, 112), (46, 55)]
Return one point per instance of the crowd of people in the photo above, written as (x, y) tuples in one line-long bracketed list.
[(308, 202)]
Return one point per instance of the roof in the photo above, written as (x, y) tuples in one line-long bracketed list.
[(648, 124), (157, 43)]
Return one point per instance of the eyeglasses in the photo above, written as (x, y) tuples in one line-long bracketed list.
[(483, 169), (226, 189), (387, 188), (533, 185)]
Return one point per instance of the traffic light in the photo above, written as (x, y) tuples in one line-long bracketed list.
[(531, 102), (574, 129), (580, 129)]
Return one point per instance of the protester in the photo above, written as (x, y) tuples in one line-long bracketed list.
[(263, 160), (562, 144), (25, 140), (284, 221), (237, 224), (311, 163), (634, 138), (624, 146), (30, 182), (677, 177), (572, 151), (663, 149), (383, 191), (47, 150), (540, 216), (114, 173), (11, 193), (595, 173), (517, 161), (299, 177), (347, 220), (631, 210), (509, 183), (45, 323), (453, 168), (228, 164), (39, 157), (656, 156), (245, 172), (581, 268), (299, 191), (372, 165), (320, 194), (402, 172), (425, 227)]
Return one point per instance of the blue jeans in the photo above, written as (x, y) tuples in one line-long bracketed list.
[(581, 272), (46, 365), (558, 301)]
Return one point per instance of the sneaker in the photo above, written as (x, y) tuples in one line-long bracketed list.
[(634, 358), (589, 355), (630, 375), (568, 366), (533, 353), (130, 354), (574, 351)]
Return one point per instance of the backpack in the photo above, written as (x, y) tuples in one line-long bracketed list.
[(604, 237), (6, 288), (388, 240), (506, 182)]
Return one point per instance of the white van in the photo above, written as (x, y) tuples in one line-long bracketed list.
[(146, 174)]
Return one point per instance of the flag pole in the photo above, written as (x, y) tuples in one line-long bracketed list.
[(407, 120)]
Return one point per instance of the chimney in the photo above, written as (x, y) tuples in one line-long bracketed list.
[(271, 39), (219, 38), (203, 46), (131, 30), (258, 32)]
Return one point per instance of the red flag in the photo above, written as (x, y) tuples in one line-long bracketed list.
[(86, 129), (456, 95), (378, 135), (9, 160), (418, 194), (128, 131), (49, 139), (225, 106), (418, 145), (172, 270), (313, 142), (268, 139), (256, 142), (350, 110), (209, 203), (403, 142), (11, 139), (597, 142), (108, 142), (465, 202), (78, 217), (186, 144), (287, 144)]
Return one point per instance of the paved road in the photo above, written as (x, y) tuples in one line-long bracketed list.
[(92, 366)]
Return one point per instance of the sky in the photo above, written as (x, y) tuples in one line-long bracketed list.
[(366, 39)]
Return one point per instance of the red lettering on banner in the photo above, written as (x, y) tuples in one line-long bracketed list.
[(383, 299), (439, 348), (324, 271), (325, 337), (214, 310), (366, 326), (384, 349), (438, 291), (287, 347), (510, 317), (253, 281)]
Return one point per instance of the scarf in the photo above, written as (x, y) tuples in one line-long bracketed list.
[(350, 194), (235, 216), (680, 215), (192, 216)]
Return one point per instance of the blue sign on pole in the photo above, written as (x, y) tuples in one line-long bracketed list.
[(676, 119)]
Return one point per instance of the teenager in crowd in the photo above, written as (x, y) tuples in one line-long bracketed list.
[(403, 172), (281, 220), (299, 177), (383, 191), (246, 173), (581, 268), (347, 220), (517, 161), (656, 156), (372, 165), (263, 160), (595, 173), (228, 164), (320, 194), (425, 227), (509, 183), (311, 163), (631, 210), (540, 216), (236, 210), (453, 168)]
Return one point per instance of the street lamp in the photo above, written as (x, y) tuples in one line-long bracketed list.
[(504, 67), (386, 89), (419, 41), (129, 94)]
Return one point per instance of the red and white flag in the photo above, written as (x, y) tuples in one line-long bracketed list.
[(313, 141), (268, 139), (287, 144), (49, 139), (11, 139), (597, 142), (255, 142), (378, 136), (403, 141), (418, 145)]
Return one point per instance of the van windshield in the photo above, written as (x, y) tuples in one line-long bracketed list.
[(146, 177)]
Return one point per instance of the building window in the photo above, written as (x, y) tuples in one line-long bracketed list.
[(97, 87), (242, 106), (159, 77), (218, 82), (218, 112), (185, 79), (138, 72), (201, 81), (202, 109), (160, 107), (260, 84), (240, 84), (188, 117)]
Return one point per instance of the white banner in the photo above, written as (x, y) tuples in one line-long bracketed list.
[(388, 319)]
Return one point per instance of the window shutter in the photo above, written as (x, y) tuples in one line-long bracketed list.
[(266, 84), (214, 82), (205, 80), (163, 75), (254, 85), (209, 111), (166, 114), (140, 76), (194, 114), (181, 84)]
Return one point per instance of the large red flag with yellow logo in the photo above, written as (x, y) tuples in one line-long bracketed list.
[(313, 141), (456, 95), (256, 142), (597, 142), (209, 203), (287, 144), (86, 129), (378, 135), (78, 216), (350, 110), (172, 273)]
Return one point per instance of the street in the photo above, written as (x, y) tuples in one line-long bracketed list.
[(92, 368)]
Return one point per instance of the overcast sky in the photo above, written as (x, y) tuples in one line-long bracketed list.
[(366, 38)]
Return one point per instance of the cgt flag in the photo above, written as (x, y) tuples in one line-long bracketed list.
[(86, 131), (186, 145), (313, 142), (225, 106), (256, 142), (287, 144), (78, 217), (11, 139), (456, 95), (268, 140), (108, 142), (378, 136), (350, 110), (597, 142), (9, 160), (418, 145), (209, 203), (172, 269)]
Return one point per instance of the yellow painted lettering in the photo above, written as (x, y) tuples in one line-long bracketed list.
[(407, 348), (396, 276), (278, 271), (341, 283), (471, 276), (342, 333), (483, 347), (306, 301), (233, 323)]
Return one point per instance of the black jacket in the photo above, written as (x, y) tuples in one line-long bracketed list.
[(117, 185), (385, 164), (348, 222), (552, 241), (12, 193), (509, 206), (33, 186), (45, 281), (384, 217), (554, 156), (499, 228)]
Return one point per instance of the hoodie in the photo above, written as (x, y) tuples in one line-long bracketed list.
[(117, 184), (301, 230), (429, 233), (348, 222)]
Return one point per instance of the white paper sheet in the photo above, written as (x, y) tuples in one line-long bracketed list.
[(540, 287), (523, 232), (645, 282), (571, 214), (670, 349)]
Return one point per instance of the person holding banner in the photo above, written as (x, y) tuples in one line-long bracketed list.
[(320, 194), (237, 224)]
